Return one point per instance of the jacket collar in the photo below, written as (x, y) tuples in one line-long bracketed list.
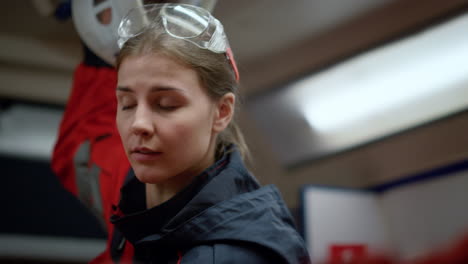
[(224, 179)]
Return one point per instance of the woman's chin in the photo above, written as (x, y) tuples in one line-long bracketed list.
[(150, 177)]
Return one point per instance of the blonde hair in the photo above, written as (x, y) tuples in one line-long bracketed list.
[(213, 69)]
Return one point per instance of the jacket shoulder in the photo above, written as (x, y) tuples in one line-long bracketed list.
[(229, 254)]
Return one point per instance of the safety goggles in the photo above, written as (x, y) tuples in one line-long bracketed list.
[(187, 22)]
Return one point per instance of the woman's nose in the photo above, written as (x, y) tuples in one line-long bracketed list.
[(143, 123)]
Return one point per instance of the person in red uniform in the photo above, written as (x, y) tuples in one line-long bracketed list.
[(88, 156)]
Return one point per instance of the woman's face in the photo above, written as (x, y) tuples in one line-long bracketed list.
[(166, 120)]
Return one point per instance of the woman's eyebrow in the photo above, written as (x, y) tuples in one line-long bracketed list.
[(124, 89), (153, 89), (166, 88)]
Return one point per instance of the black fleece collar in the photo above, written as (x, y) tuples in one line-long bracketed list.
[(136, 222)]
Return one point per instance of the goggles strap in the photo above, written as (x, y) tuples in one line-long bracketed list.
[(230, 57)]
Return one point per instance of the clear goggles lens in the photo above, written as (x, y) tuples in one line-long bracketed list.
[(187, 22)]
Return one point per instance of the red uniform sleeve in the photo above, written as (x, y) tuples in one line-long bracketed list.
[(89, 119)]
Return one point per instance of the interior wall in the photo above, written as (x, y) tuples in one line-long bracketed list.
[(433, 145), (415, 150), (427, 214)]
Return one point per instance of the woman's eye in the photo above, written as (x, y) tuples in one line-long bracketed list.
[(167, 107), (168, 104), (126, 107), (124, 102)]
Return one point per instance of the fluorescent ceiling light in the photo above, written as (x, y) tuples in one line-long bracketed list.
[(402, 75), (378, 93)]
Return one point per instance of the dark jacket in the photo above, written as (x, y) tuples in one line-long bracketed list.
[(223, 216)]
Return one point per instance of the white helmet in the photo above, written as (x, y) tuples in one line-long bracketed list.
[(97, 21)]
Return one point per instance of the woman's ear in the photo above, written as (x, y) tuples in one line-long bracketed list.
[(224, 112)]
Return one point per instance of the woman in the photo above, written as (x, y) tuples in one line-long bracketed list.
[(190, 199)]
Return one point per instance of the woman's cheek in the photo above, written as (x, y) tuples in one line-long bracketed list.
[(179, 130), (124, 130)]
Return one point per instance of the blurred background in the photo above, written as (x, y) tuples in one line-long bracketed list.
[(358, 94)]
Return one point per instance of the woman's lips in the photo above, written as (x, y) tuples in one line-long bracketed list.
[(145, 155)]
